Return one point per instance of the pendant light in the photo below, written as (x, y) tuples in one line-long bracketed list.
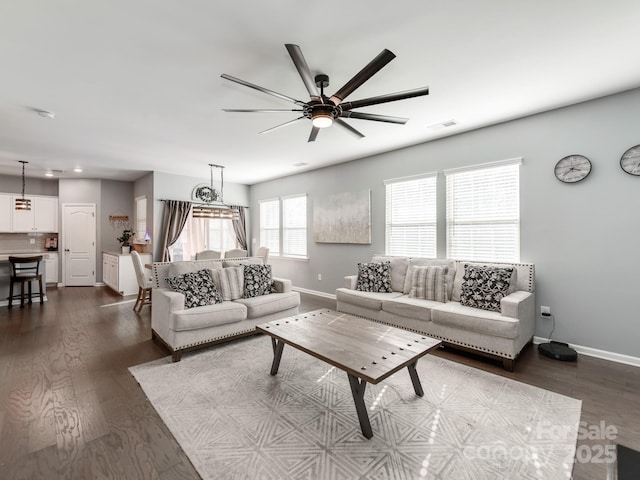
[(211, 196), (23, 203)]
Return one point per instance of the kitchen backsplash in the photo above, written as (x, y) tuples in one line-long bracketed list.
[(21, 242)]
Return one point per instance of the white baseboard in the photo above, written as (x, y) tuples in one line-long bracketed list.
[(594, 352), (314, 292)]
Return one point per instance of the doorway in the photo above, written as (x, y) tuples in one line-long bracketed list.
[(79, 244)]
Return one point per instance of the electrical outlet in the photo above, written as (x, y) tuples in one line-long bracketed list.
[(319, 276), (545, 311)]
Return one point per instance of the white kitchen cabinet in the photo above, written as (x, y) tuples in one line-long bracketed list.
[(118, 272), (51, 265), (43, 216), (5, 212)]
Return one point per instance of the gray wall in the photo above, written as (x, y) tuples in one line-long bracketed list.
[(116, 198), (33, 186), (177, 187), (110, 197), (581, 237)]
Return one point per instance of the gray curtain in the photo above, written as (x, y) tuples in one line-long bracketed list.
[(175, 217), (240, 228)]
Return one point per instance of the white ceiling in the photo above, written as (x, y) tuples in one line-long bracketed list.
[(135, 84)]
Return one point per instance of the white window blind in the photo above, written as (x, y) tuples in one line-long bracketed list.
[(294, 226), (221, 236), (270, 225), (141, 219), (411, 216), (483, 212)]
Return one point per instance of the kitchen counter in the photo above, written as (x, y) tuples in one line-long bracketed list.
[(4, 257)]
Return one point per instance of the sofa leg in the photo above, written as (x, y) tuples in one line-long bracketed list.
[(507, 364), (176, 355)]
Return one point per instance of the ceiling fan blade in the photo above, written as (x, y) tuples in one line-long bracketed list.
[(261, 110), (313, 134), (269, 130), (348, 127), (363, 75), (303, 69), (262, 89), (389, 97), (372, 116)]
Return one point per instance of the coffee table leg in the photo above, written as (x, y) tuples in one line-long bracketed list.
[(357, 389), (417, 386), (277, 345)]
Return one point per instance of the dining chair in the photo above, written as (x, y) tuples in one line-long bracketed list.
[(207, 254), (235, 253), (145, 282)]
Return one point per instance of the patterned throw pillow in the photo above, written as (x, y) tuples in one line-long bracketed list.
[(374, 277), (230, 282), (257, 280), (198, 288), (429, 283), (484, 287)]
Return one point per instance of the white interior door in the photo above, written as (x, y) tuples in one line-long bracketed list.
[(79, 244)]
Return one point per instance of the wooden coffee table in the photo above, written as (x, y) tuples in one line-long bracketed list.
[(368, 351)]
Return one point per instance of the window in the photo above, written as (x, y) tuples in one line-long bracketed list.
[(203, 234), (270, 225), (283, 226), (483, 212), (141, 219), (411, 216), (294, 226)]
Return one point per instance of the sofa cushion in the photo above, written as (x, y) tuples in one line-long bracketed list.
[(369, 300), (208, 316), (374, 277), (431, 262), (483, 286), (454, 315), (399, 267), (429, 283), (459, 277), (180, 268), (268, 304), (198, 288), (405, 306), (257, 280), (230, 281)]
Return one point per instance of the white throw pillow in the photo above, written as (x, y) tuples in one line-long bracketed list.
[(230, 282)]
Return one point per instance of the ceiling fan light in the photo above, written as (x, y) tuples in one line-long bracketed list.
[(322, 120)]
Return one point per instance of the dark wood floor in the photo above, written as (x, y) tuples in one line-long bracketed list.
[(70, 409)]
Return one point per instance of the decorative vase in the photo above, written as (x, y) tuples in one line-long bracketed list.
[(126, 249)]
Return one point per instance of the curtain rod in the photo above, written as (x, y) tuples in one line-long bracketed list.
[(202, 203)]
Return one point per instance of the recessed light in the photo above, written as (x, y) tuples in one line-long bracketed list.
[(48, 174), (77, 170), (300, 164)]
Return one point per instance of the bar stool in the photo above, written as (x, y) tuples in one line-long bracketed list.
[(25, 269)]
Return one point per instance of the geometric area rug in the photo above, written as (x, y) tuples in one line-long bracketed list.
[(235, 421)]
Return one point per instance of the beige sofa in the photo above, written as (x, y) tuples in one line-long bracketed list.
[(182, 329), (500, 334)]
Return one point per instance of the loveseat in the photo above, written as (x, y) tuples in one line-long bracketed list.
[(457, 309), (181, 329)]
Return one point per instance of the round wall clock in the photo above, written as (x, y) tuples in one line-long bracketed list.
[(572, 168), (630, 161)]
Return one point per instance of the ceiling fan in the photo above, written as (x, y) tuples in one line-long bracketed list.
[(323, 111)]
